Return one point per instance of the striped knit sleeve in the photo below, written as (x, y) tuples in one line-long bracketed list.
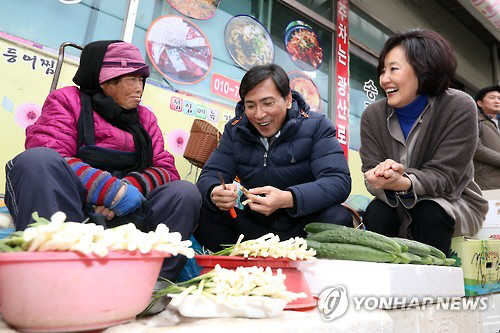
[(148, 180), (101, 186)]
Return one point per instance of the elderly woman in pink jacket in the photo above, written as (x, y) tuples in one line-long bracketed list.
[(96, 153)]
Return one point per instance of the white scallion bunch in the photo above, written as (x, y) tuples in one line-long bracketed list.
[(224, 286), (270, 246), (89, 238)]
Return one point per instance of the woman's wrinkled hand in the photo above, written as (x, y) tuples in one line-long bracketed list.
[(108, 213)]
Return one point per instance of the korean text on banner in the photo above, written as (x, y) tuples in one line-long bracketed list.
[(342, 70)]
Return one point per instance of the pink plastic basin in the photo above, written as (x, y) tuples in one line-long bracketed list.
[(294, 282), (69, 291)]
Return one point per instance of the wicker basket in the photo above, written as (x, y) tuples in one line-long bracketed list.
[(202, 141)]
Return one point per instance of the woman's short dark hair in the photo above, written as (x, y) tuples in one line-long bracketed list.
[(257, 74), (430, 55)]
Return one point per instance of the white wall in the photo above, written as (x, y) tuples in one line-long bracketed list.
[(474, 61)]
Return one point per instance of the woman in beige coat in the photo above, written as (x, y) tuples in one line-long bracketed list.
[(417, 145)]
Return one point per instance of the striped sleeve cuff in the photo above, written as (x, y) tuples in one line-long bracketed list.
[(100, 185), (148, 180)]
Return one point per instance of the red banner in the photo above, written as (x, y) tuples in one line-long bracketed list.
[(225, 87), (342, 79)]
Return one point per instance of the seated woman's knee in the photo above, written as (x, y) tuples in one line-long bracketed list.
[(180, 191), (36, 158), (188, 191)]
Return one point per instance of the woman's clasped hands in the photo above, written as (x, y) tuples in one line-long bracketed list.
[(388, 175)]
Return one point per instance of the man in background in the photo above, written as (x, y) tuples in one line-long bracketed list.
[(487, 156)]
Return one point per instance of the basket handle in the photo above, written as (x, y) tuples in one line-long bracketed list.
[(356, 219)]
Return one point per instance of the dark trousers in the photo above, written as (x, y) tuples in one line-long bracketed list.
[(217, 227), (40, 180), (430, 223)]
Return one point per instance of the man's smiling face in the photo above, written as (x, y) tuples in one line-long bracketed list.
[(266, 108)]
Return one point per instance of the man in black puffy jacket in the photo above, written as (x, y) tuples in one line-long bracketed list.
[(286, 155)]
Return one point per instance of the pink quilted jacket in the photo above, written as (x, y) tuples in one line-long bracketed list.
[(56, 128)]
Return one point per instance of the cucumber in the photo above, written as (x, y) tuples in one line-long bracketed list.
[(405, 258), (346, 235), (437, 261), (420, 249), (315, 227), (350, 252), (425, 260), (437, 252), (449, 261), (312, 244), (413, 257), (404, 247)]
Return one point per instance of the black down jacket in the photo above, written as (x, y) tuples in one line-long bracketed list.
[(306, 159)]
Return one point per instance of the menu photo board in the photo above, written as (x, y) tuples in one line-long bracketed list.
[(197, 9), (303, 46), (178, 49), (305, 86), (248, 42)]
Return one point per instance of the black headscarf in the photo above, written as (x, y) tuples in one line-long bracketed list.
[(87, 77)]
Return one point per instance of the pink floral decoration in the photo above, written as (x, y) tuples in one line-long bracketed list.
[(177, 141), (26, 114)]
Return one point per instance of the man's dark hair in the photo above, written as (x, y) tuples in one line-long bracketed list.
[(430, 55), (257, 74), (480, 95)]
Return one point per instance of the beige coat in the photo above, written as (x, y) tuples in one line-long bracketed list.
[(437, 156), (487, 156)]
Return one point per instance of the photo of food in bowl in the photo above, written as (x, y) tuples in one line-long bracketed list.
[(295, 23), (248, 42), (305, 86), (178, 49), (303, 47), (197, 9)]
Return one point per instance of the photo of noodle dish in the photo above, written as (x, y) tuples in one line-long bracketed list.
[(303, 84), (248, 42), (197, 9), (304, 48), (178, 49)]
